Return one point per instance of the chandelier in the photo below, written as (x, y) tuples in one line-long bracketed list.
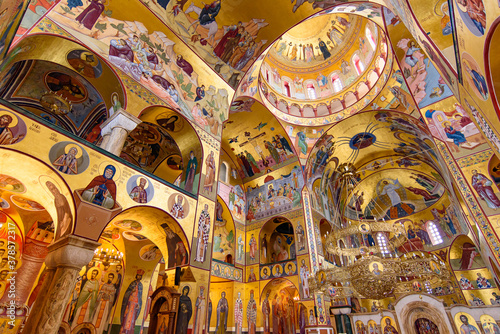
[(107, 256), (367, 266)]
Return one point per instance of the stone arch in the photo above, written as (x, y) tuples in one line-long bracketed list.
[(156, 225), (412, 307), (32, 171), (96, 87), (278, 233), (171, 158)]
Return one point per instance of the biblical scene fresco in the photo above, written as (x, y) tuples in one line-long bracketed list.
[(279, 193), (438, 23), (11, 16), (258, 219), (424, 81), (145, 54), (257, 142), (450, 122), (65, 98), (473, 277)]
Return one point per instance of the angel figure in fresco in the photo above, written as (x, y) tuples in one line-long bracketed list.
[(482, 282), (67, 163), (465, 284), (222, 313), (483, 187), (203, 232), (64, 216), (210, 177), (467, 328), (252, 314), (91, 14)]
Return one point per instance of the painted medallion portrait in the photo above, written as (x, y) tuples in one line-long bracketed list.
[(140, 189), (264, 273), (11, 184), (26, 203), (69, 158), (376, 268), (85, 62), (12, 128), (178, 206), (150, 252)]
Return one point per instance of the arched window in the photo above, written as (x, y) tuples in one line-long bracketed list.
[(267, 75), (223, 175), (358, 64), (287, 89), (336, 83), (382, 243), (434, 234), (311, 92), (370, 38)]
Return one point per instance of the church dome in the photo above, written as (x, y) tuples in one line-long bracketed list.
[(323, 65)]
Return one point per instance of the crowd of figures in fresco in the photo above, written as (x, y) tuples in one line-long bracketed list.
[(275, 196), (150, 59)]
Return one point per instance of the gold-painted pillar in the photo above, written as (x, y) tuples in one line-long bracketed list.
[(321, 318), (66, 258)]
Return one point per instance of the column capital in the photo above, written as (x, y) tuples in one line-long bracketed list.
[(71, 251), (120, 119)]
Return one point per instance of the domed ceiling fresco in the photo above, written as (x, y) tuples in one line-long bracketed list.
[(265, 128)]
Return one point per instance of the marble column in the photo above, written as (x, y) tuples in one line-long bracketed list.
[(66, 258), (115, 130)]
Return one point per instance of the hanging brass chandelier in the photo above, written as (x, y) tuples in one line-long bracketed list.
[(366, 267)]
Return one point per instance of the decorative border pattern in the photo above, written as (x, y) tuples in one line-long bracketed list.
[(471, 201), (475, 159)]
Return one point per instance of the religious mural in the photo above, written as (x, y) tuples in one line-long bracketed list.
[(400, 176), (146, 56)]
